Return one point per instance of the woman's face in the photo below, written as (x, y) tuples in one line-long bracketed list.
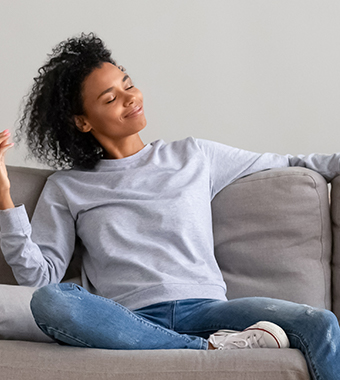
[(113, 106)]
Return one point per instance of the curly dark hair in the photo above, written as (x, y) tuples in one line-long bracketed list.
[(55, 98)]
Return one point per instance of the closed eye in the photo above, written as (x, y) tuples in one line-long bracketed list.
[(112, 100)]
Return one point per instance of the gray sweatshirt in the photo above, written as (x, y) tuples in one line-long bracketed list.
[(144, 220)]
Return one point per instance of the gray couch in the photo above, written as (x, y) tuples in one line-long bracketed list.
[(275, 236)]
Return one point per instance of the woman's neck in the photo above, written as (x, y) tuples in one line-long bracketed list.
[(123, 148)]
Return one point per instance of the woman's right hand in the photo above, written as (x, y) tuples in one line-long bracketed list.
[(5, 198)]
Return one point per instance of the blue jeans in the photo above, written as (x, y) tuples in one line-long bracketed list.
[(71, 315)]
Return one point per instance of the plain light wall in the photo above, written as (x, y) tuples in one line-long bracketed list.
[(256, 74)]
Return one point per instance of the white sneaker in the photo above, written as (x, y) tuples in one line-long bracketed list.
[(261, 335)]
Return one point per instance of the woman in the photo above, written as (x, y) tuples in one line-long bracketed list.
[(143, 215)]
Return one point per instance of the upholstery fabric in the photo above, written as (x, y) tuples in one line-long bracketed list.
[(28, 194), (335, 208), (16, 320), (36, 361), (273, 236), (26, 186)]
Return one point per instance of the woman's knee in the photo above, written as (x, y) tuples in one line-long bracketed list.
[(321, 318), (52, 300)]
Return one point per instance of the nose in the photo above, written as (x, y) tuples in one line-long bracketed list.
[(129, 99)]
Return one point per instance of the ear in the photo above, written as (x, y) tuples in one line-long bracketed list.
[(82, 124)]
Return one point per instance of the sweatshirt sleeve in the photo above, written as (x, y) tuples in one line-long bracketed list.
[(228, 164), (39, 253)]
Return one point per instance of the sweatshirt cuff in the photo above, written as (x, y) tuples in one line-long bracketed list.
[(14, 219)]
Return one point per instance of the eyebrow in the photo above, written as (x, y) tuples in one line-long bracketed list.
[(111, 88)]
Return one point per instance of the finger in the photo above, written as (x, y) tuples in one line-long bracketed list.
[(4, 136), (6, 132), (4, 149)]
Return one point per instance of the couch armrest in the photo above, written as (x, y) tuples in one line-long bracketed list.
[(335, 214)]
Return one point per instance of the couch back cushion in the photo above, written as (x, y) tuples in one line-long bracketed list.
[(273, 236), (26, 186)]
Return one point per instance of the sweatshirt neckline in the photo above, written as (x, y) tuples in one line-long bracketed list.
[(122, 162)]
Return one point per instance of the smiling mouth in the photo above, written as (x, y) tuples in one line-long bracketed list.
[(135, 112)]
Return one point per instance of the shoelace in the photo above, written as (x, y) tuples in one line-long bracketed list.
[(252, 341)]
